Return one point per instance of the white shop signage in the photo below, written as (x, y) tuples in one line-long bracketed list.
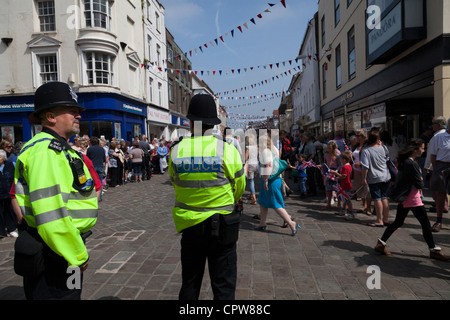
[(155, 115)]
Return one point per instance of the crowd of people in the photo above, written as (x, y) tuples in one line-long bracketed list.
[(367, 166), (114, 162), (356, 167)]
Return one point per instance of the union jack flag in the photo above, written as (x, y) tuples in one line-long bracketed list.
[(346, 146), (307, 164), (328, 174), (342, 195)]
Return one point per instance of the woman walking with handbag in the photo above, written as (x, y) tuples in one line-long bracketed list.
[(270, 195), (407, 191)]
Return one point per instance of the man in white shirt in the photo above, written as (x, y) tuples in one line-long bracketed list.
[(439, 150)]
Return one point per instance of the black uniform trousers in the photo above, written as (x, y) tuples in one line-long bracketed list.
[(197, 246)]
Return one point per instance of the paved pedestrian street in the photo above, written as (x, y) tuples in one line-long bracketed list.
[(135, 254)]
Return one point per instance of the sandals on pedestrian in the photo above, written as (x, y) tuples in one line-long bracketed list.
[(375, 225), (261, 228), (294, 232)]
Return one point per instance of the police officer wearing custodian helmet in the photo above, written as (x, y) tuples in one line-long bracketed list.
[(57, 197), (208, 178)]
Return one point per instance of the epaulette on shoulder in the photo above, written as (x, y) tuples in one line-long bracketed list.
[(26, 147)]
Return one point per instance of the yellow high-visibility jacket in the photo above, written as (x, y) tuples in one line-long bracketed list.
[(49, 202), (208, 178)]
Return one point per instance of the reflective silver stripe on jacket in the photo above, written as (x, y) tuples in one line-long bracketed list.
[(61, 213), (55, 190), (220, 181), (198, 209), (50, 216)]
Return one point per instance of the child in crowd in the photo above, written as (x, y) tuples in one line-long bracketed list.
[(344, 176), (332, 163), (302, 176)]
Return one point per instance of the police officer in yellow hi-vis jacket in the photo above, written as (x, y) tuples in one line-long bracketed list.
[(208, 177), (57, 198)]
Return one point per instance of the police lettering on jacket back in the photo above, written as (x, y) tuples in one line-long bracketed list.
[(197, 165)]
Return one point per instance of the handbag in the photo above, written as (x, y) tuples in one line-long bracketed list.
[(391, 166), (278, 168), (164, 162)]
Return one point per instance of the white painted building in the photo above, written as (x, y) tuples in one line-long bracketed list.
[(155, 64), (97, 46), (306, 96)]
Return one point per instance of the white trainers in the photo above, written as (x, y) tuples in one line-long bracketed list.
[(13, 234)]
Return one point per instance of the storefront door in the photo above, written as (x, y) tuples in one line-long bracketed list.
[(403, 128)]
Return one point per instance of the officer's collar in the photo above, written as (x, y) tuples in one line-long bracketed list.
[(57, 137)]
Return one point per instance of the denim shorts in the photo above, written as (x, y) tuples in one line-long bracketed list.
[(378, 191)]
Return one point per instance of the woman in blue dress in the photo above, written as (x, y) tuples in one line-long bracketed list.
[(270, 196)]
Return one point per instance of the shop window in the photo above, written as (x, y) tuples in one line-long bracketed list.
[(102, 128), (14, 129), (84, 128)]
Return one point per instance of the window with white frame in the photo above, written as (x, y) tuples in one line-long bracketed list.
[(149, 48), (134, 80), (170, 90), (99, 68), (169, 53), (98, 13), (46, 13), (48, 68), (157, 21), (158, 54), (149, 12), (150, 85), (160, 93)]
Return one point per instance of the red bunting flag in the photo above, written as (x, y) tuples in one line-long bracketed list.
[(259, 15), (240, 28), (283, 2)]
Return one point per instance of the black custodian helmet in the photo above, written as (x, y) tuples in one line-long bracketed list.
[(203, 108), (53, 94)]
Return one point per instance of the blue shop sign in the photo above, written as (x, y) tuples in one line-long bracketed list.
[(185, 122), (175, 120), (95, 101), (17, 104)]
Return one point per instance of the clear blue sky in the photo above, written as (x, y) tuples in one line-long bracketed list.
[(274, 38)]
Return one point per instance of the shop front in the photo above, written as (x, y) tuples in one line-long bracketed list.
[(14, 112), (111, 116), (108, 115), (158, 122), (179, 127)]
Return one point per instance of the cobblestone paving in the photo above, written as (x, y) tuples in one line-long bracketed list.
[(135, 254)]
